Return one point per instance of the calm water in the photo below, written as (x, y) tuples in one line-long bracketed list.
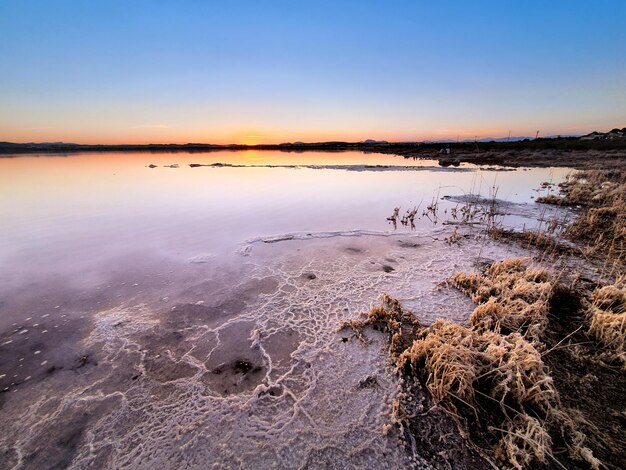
[(76, 211), (144, 322)]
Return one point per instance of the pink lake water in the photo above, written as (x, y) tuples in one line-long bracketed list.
[(79, 209), (184, 317)]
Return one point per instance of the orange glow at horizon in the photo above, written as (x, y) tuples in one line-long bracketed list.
[(145, 135)]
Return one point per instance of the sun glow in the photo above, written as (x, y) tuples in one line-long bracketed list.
[(252, 139)]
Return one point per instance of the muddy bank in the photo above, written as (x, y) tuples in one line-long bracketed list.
[(527, 157)]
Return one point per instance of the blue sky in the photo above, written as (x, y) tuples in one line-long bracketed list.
[(244, 71)]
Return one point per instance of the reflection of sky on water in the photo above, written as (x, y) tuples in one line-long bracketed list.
[(87, 207)]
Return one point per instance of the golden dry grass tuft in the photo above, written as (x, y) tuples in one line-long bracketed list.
[(461, 362), (499, 381), (512, 296), (589, 188), (525, 441), (602, 230), (607, 320)]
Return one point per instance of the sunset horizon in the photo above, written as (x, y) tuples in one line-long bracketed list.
[(270, 73), (270, 139)]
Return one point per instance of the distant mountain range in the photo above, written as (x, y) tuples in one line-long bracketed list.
[(513, 138)]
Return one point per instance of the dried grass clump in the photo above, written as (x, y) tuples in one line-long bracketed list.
[(525, 440), (389, 317), (589, 188), (461, 361), (538, 239), (498, 382), (465, 370), (603, 229), (446, 352), (610, 297), (607, 322), (554, 200), (512, 296)]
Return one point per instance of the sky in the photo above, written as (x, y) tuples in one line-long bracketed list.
[(153, 71)]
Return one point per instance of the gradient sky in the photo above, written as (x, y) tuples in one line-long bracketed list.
[(268, 71)]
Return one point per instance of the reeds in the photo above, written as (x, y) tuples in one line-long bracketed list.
[(601, 227)]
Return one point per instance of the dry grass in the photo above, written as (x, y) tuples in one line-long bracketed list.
[(461, 362), (490, 375), (601, 227), (497, 380), (602, 230), (589, 188), (390, 317), (525, 440), (555, 200), (512, 297), (607, 320)]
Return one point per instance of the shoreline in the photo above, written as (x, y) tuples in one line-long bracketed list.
[(554, 152)]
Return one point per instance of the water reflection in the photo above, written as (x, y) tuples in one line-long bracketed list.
[(74, 213)]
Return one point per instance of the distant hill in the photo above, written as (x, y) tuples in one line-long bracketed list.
[(485, 139), (612, 134), (513, 138)]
